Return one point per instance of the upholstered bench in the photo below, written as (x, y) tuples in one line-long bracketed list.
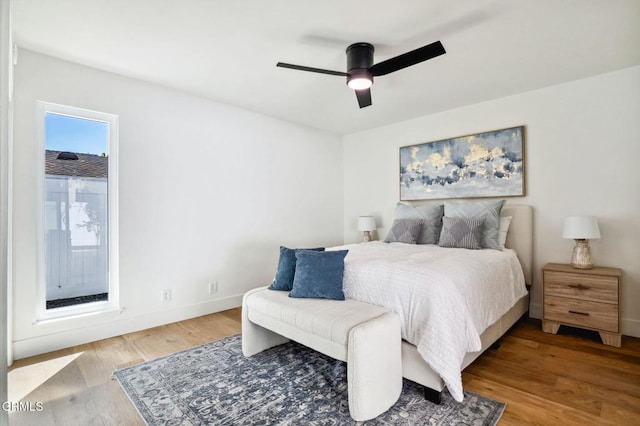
[(366, 336)]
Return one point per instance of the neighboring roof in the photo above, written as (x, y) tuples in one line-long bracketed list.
[(87, 165)]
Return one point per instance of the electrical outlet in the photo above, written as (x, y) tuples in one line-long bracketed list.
[(165, 295), (213, 287)]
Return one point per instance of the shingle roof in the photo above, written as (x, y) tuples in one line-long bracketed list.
[(87, 165)]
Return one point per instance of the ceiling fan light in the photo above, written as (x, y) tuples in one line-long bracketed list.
[(359, 82)]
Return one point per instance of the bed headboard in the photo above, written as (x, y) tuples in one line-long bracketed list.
[(520, 236)]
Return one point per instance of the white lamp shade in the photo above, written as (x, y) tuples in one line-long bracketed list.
[(366, 223), (581, 228)]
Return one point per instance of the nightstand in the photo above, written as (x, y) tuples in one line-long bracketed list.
[(584, 298)]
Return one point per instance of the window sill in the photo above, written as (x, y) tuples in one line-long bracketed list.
[(66, 314)]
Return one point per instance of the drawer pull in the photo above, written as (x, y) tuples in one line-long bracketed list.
[(579, 286), (579, 313)]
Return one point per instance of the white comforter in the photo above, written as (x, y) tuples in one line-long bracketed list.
[(445, 297)]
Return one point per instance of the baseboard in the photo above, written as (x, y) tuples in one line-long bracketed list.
[(78, 336), (535, 310), (628, 327), (116, 327)]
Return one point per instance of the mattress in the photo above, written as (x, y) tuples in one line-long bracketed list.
[(445, 297)]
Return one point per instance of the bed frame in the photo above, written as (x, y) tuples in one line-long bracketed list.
[(519, 238)]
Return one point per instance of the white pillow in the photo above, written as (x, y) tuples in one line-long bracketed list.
[(505, 221)]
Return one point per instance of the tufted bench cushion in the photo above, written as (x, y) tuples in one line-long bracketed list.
[(366, 336), (327, 321)]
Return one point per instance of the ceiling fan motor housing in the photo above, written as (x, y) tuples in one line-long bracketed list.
[(359, 60)]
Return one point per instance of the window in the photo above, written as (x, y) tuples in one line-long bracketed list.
[(77, 269)]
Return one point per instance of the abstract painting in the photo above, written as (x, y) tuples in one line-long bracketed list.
[(489, 164)]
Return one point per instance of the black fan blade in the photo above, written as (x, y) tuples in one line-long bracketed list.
[(310, 69), (364, 97), (407, 59)]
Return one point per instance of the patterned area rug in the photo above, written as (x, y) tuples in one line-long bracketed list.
[(215, 384)]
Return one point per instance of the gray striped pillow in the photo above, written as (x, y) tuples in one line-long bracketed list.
[(461, 233), (488, 210), (404, 231), (431, 217)]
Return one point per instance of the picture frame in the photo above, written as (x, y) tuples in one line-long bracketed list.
[(487, 164)]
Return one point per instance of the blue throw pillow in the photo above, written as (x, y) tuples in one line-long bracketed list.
[(287, 268), (319, 274)]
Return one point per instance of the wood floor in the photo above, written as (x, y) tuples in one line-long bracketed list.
[(564, 379)]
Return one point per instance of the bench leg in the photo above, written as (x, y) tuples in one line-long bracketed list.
[(374, 367), (432, 395), (255, 338)]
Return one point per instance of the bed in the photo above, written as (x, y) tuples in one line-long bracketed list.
[(435, 353)]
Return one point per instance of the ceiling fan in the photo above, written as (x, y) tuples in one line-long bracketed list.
[(361, 69)]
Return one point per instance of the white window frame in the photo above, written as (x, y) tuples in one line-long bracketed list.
[(113, 302)]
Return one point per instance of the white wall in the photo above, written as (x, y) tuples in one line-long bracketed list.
[(207, 192), (582, 155), (5, 199)]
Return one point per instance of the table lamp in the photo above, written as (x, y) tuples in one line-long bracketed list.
[(366, 224), (581, 229)]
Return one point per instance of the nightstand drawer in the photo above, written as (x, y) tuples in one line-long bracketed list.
[(580, 286), (600, 316)]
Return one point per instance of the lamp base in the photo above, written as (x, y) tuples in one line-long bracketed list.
[(366, 236), (581, 258)]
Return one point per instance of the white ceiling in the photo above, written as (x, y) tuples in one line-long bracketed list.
[(226, 50)]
